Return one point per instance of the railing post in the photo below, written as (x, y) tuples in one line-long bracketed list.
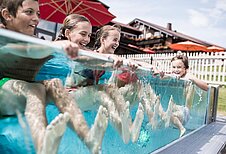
[(213, 102)]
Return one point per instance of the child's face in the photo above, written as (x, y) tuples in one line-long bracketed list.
[(111, 42), (178, 68), (81, 34), (27, 18)]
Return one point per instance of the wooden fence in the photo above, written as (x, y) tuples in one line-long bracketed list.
[(210, 67)]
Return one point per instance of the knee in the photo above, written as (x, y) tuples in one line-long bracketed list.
[(57, 81), (52, 84)]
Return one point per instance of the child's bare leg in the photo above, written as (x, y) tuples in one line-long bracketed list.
[(126, 123), (54, 132), (35, 107), (154, 120), (135, 129), (148, 106), (96, 133), (108, 103), (119, 101), (66, 103), (178, 124), (130, 93), (117, 120), (122, 108), (169, 111)]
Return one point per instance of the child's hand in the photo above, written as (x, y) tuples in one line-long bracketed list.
[(118, 61), (69, 47), (161, 74), (156, 72), (189, 77), (133, 65), (2, 26)]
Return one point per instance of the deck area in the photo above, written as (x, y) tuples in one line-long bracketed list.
[(208, 140)]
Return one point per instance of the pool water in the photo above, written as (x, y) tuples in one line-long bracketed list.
[(17, 140), (14, 139)]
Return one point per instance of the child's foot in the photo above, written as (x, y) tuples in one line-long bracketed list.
[(135, 130), (97, 131), (54, 132), (182, 132)]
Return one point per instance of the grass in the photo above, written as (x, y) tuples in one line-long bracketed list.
[(221, 108)]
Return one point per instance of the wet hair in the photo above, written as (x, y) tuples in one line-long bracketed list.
[(69, 23), (12, 6), (183, 58), (104, 32)]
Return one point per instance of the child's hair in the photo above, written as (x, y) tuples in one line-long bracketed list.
[(12, 6), (183, 58), (104, 32), (69, 23)]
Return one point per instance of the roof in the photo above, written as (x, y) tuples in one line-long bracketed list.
[(127, 26), (173, 33)]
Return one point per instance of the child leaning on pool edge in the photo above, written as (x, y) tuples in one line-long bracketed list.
[(179, 115), (180, 68), (77, 29)]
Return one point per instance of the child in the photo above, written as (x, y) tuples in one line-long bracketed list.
[(180, 68), (179, 115), (107, 41), (76, 29)]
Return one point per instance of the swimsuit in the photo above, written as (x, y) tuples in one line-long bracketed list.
[(57, 67), (88, 77), (185, 113), (127, 77), (3, 81)]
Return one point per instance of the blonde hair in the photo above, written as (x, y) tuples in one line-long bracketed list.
[(103, 32), (69, 23)]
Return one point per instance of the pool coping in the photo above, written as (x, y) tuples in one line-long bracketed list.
[(208, 139)]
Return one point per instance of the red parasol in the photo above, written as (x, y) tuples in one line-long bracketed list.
[(188, 46), (57, 10), (215, 49)]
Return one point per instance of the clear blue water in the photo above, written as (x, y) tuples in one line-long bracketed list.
[(13, 139)]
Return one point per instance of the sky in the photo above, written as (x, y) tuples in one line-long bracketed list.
[(201, 19)]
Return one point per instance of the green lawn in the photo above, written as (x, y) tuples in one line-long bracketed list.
[(221, 110)]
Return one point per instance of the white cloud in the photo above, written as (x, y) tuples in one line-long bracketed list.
[(198, 18), (204, 1), (221, 4)]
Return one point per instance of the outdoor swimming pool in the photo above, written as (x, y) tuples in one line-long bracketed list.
[(14, 139)]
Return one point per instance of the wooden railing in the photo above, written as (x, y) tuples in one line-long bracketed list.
[(210, 67)]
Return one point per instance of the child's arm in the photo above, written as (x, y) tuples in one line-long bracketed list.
[(201, 84)]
